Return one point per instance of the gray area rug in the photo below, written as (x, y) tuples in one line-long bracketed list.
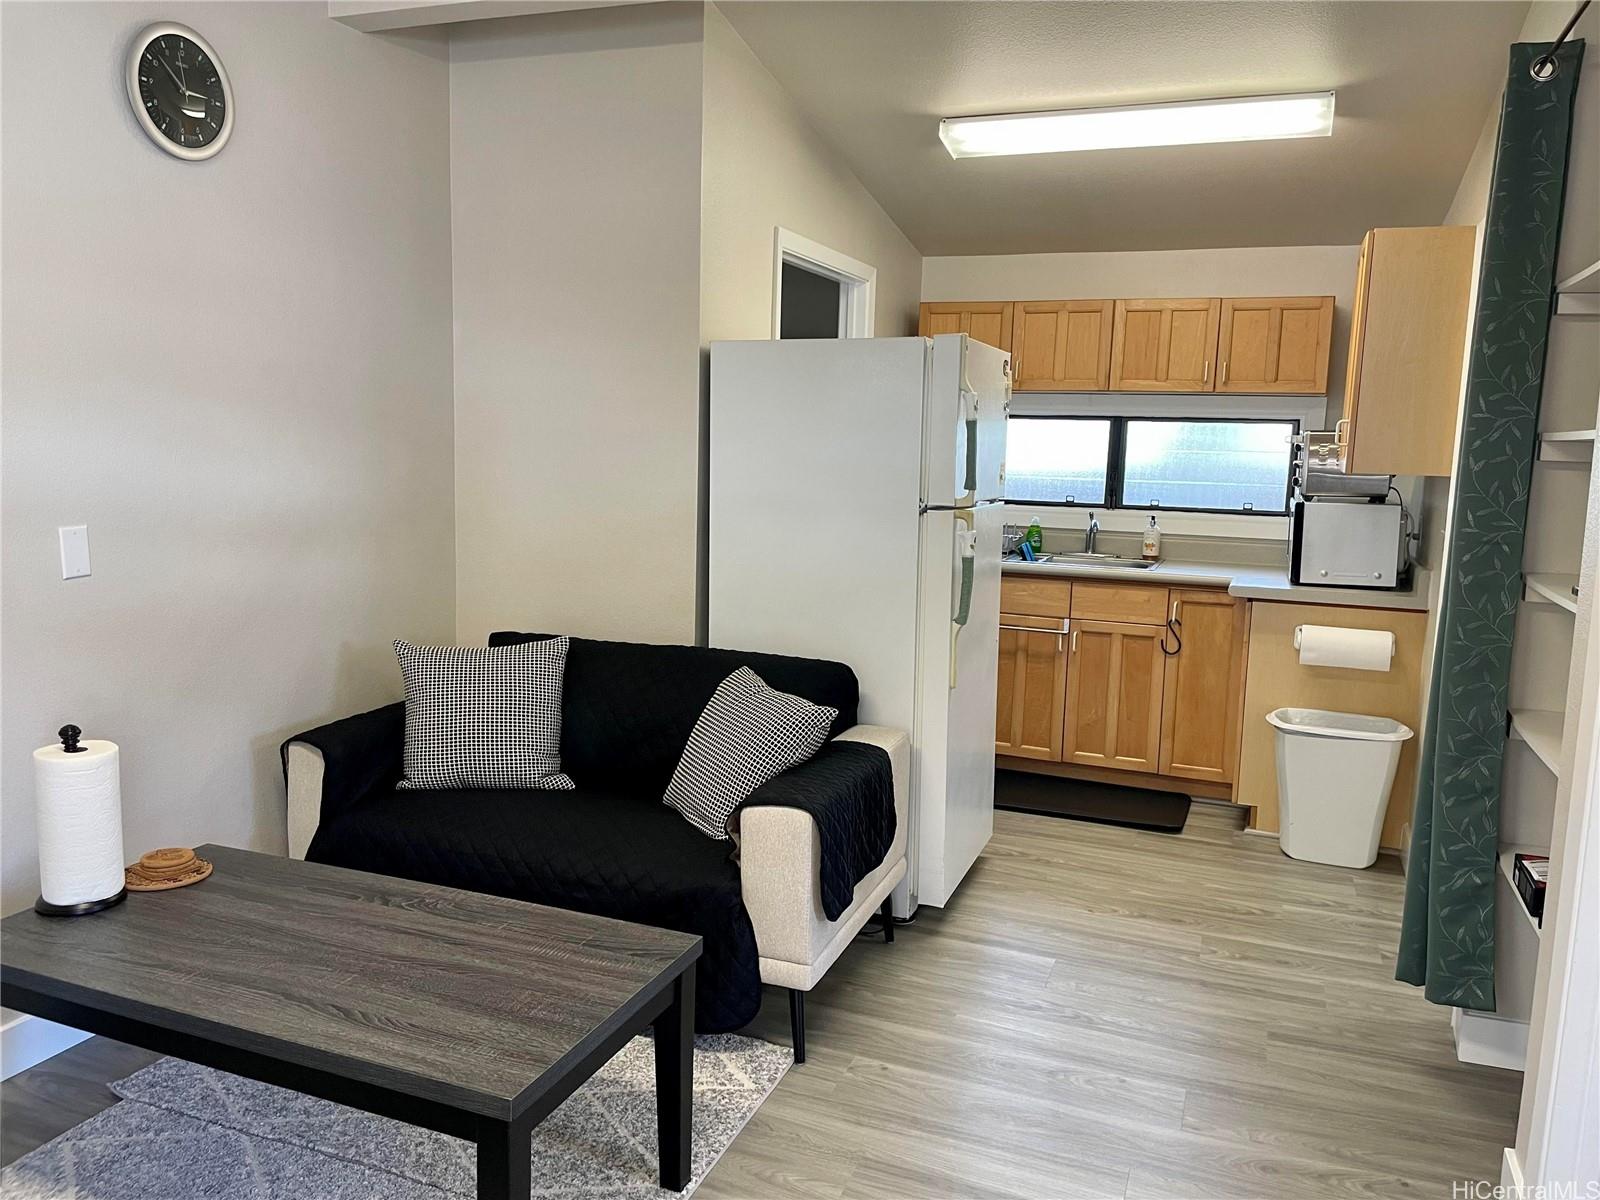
[(192, 1133)]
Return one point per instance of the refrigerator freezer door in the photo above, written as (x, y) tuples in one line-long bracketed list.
[(969, 394), (954, 742)]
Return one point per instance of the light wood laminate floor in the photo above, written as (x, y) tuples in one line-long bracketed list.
[(1102, 1012)]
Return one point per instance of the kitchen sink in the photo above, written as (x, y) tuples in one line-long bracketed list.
[(1086, 559)]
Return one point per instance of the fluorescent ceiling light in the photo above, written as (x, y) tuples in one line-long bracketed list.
[(1186, 123)]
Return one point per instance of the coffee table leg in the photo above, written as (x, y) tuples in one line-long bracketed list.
[(505, 1170), (675, 1083)]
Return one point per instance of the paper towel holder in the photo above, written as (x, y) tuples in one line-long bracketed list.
[(69, 735)]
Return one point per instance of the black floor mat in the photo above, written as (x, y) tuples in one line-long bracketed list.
[(1139, 807)]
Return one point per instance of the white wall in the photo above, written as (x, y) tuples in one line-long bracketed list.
[(765, 167), (237, 373), (575, 171)]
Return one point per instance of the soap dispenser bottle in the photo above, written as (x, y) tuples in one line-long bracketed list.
[(1035, 536), (1151, 549)]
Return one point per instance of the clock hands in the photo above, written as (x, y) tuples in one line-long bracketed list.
[(186, 98), (166, 66)]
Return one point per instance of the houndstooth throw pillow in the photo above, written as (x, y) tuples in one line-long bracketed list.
[(484, 718), (746, 734)]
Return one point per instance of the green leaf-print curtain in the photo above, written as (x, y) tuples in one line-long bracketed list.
[(1447, 933)]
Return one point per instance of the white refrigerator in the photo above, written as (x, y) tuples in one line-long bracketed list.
[(855, 515)]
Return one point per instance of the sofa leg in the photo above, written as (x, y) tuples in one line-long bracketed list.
[(797, 1023), (886, 915)]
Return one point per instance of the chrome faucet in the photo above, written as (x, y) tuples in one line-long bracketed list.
[(1091, 534)]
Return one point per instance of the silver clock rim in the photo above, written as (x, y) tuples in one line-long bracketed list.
[(136, 51)]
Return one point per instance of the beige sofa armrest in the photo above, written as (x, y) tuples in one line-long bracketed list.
[(779, 857), (303, 764)]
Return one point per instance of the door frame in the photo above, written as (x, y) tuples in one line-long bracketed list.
[(858, 280)]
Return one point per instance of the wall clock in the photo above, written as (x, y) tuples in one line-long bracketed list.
[(179, 91)]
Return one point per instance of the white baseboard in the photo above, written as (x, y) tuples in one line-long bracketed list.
[(26, 1041), (1489, 1041), (1511, 1172)]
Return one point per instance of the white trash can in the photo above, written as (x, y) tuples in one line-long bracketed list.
[(1334, 774)]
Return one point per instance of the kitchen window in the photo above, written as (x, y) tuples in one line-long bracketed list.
[(1215, 465)]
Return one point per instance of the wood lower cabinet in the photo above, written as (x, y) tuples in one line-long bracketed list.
[(1203, 678), (986, 321), (1114, 682), (1032, 690), (1061, 345), (1277, 345), (1164, 345), (1138, 679)]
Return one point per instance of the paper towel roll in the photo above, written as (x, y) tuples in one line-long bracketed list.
[(79, 803), (1357, 649)]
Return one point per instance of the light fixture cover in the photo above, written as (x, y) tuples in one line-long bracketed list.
[(1183, 123)]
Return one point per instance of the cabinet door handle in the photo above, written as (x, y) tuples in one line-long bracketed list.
[(1205, 375), (1060, 633), (1172, 627), (1223, 379), (1074, 641)]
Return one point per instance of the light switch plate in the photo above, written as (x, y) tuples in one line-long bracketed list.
[(74, 551)]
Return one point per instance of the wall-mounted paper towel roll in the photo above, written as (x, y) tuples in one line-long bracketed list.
[(1357, 649), (79, 801)]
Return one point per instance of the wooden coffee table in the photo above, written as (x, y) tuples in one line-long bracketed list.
[(468, 1014)]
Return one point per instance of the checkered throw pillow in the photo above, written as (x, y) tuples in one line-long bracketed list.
[(484, 718), (746, 734)]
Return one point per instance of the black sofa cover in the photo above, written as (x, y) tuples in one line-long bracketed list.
[(610, 847)]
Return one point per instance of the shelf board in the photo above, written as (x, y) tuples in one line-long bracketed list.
[(1567, 445), (1586, 280), (1508, 869), (1548, 588), (1578, 304), (1540, 729)]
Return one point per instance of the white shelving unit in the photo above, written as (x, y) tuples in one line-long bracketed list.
[(1552, 588), (1508, 866), (1581, 283), (1556, 966), (1540, 730), (1567, 446), (1553, 623)]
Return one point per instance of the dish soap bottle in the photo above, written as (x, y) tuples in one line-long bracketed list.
[(1035, 537), (1152, 542)]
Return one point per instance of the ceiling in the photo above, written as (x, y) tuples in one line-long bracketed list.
[(1415, 82)]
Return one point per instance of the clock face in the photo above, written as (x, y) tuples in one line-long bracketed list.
[(180, 92)]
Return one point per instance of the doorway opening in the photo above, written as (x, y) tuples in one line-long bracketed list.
[(818, 292)]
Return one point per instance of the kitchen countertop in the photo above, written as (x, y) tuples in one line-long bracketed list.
[(1248, 582)]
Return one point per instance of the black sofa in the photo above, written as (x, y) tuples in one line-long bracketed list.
[(611, 847)]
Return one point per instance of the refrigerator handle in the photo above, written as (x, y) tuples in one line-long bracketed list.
[(966, 540), (969, 416)]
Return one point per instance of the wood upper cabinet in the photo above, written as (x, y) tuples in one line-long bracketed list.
[(1408, 330), (985, 321), (1061, 345), (1164, 345), (1032, 690), (1114, 682), (1278, 345), (1204, 685)]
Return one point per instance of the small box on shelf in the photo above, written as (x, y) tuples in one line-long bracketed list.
[(1529, 874)]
